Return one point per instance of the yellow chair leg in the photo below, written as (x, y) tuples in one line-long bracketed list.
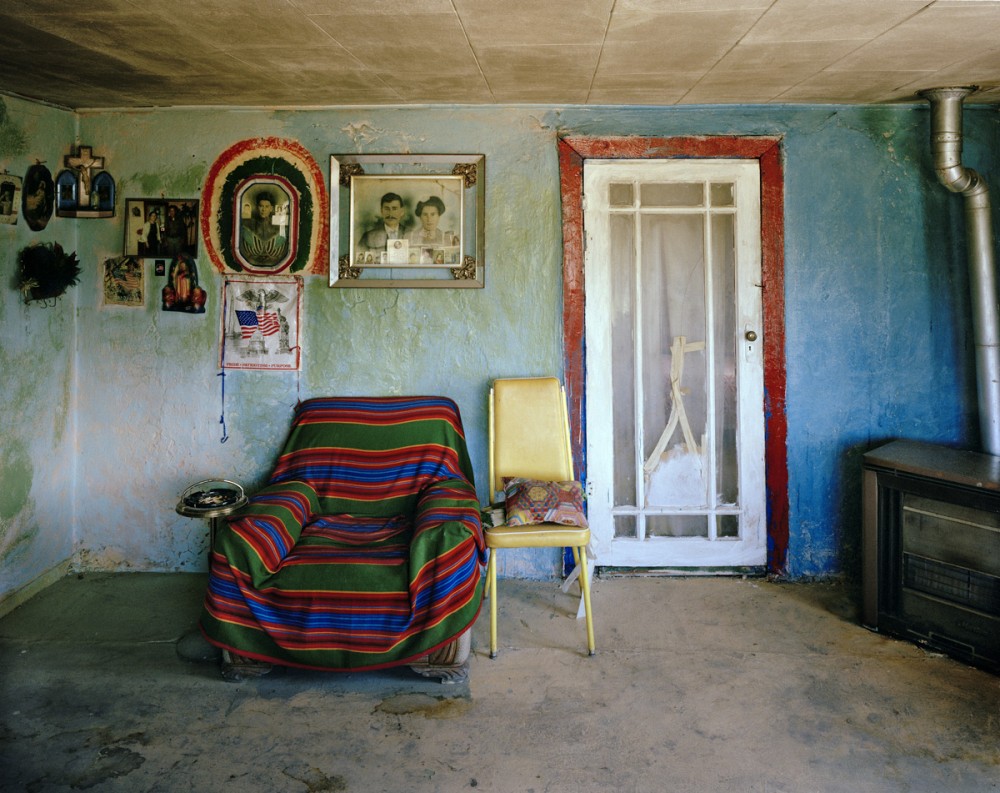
[(491, 584), (581, 559)]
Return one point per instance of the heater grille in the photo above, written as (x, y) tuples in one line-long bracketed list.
[(932, 548), (969, 588)]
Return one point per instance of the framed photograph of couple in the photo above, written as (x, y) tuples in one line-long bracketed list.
[(407, 221), (161, 228)]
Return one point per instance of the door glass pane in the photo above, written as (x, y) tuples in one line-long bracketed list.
[(625, 526), (620, 194), (729, 526), (673, 370), (727, 347), (676, 526), (672, 194), (721, 194), (623, 357)]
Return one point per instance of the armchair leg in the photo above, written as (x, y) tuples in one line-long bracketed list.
[(449, 664), (585, 586), (237, 668), (491, 585)]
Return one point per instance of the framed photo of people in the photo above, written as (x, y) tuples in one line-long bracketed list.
[(161, 228), (10, 197), (407, 220)]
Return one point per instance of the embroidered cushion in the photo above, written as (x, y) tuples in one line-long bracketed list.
[(532, 501)]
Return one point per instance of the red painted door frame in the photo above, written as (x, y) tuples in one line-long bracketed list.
[(572, 153)]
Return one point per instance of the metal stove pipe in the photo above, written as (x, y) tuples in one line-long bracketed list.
[(946, 145)]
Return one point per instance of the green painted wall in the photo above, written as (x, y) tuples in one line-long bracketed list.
[(37, 372), (160, 424)]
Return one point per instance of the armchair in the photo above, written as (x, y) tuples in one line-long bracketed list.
[(364, 549)]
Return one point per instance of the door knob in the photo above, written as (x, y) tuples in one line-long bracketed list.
[(751, 335)]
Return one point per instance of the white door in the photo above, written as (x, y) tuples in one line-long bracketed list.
[(675, 406)]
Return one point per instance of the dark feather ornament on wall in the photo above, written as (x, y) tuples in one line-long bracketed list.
[(45, 271)]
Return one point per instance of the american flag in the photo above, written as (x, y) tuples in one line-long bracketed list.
[(130, 277), (249, 321)]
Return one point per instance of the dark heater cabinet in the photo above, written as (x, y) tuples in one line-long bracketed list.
[(931, 549)]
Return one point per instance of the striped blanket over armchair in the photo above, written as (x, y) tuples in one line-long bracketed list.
[(363, 551)]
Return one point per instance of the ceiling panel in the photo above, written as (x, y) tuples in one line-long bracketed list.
[(288, 53), (822, 20)]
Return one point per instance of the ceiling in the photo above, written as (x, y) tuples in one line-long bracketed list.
[(295, 53)]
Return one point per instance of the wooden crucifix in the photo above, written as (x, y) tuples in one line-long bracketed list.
[(82, 163)]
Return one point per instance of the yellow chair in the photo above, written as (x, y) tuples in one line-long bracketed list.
[(529, 437)]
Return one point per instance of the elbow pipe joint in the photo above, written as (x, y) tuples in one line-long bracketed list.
[(946, 137)]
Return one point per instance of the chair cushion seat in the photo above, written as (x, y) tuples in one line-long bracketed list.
[(537, 535)]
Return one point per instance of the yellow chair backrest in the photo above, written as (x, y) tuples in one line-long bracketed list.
[(529, 431)]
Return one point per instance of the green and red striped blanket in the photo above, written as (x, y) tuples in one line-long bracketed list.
[(363, 550)]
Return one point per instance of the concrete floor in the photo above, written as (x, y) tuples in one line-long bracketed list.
[(698, 685)]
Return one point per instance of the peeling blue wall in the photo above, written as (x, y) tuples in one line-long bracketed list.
[(878, 332), (877, 341)]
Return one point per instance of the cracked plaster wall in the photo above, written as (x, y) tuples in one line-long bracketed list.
[(876, 300), (37, 373)]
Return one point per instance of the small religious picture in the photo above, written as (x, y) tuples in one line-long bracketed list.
[(10, 197), (84, 189), (182, 291), (260, 323), (123, 281), (38, 198)]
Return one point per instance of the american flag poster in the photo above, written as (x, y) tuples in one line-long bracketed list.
[(260, 323), (123, 281)]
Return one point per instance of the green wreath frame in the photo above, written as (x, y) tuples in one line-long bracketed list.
[(277, 159)]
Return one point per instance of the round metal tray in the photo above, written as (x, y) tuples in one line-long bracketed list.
[(211, 498)]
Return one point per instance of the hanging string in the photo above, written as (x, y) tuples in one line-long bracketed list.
[(222, 365), (222, 416), (298, 377), (297, 349)]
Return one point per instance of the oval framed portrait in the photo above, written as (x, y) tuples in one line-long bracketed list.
[(38, 195), (265, 221)]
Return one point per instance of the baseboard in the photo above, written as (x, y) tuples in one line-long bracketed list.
[(12, 600), (682, 572)]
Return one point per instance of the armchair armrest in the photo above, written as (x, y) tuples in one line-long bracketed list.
[(446, 552), (262, 533), (449, 506)]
